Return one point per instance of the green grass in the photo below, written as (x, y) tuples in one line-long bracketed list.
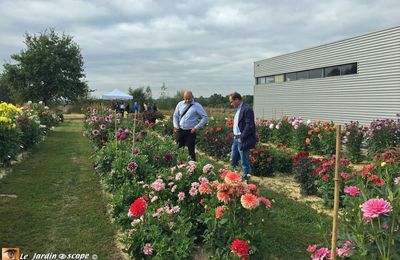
[(60, 207), (290, 227)]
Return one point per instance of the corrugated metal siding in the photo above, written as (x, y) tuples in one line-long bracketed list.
[(374, 92)]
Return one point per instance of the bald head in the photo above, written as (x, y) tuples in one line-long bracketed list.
[(188, 96)]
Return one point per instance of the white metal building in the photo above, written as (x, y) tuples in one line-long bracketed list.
[(353, 79)]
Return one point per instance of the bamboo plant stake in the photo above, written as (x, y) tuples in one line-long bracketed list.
[(134, 127), (116, 139), (336, 197)]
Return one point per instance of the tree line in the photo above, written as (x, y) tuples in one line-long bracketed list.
[(144, 94)]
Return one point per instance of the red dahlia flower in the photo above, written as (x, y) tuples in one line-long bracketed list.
[(138, 208), (240, 248)]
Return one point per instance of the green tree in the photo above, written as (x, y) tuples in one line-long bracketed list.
[(138, 95), (49, 69), (5, 95), (148, 94), (217, 100)]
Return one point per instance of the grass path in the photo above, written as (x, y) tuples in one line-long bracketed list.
[(56, 203)]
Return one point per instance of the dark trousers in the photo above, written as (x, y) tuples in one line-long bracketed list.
[(186, 138)]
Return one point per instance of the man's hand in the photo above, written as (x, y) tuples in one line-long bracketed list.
[(194, 130)]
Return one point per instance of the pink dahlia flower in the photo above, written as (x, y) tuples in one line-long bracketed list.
[(373, 208), (352, 190), (148, 249), (233, 178), (249, 201)]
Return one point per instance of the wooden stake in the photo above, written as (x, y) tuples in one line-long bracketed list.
[(116, 139), (336, 197)]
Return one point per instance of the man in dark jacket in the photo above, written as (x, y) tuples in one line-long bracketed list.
[(244, 133)]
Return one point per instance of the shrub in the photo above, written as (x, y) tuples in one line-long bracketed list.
[(263, 161), (303, 173), (353, 137), (371, 213), (325, 180), (216, 141), (381, 135), (300, 134), (262, 128), (31, 132)]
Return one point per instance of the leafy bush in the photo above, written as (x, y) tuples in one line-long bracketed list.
[(371, 214), (282, 132), (353, 138), (263, 161), (303, 173), (263, 130), (216, 141), (10, 134), (381, 135), (326, 174), (31, 132), (300, 134)]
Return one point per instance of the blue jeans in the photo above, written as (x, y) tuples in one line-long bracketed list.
[(243, 155)]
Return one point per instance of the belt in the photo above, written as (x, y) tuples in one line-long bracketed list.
[(236, 136)]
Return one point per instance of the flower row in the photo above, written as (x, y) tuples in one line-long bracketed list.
[(23, 126), (169, 206)]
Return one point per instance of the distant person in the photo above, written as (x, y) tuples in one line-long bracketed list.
[(155, 108), (244, 133), (122, 108), (186, 126), (145, 106), (127, 108), (136, 108)]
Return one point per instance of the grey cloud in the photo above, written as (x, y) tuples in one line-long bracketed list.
[(208, 46)]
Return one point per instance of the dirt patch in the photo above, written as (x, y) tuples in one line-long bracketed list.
[(74, 116), (12, 196), (287, 186)]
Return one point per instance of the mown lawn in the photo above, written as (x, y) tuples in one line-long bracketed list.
[(59, 205)]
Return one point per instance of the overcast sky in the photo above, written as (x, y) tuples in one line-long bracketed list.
[(206, 46)]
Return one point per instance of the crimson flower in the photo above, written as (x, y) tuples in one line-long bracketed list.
[(138, 208), (240, 248)]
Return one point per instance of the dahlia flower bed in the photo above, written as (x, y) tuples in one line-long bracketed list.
[(369, 219), (168, 206), (318, 137), (23, 126)]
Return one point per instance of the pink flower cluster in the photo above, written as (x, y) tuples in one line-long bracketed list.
[(147, 249), (352, 191), (158, 185)]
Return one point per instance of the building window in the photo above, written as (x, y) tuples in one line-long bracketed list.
[(332, 71), (348, 69), (302, 75), (261, 80), (270, 79), (317, 73), (279, 78), (290, 76), (338, 70)]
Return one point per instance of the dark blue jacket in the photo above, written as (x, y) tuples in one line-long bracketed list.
[(247, 127)]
